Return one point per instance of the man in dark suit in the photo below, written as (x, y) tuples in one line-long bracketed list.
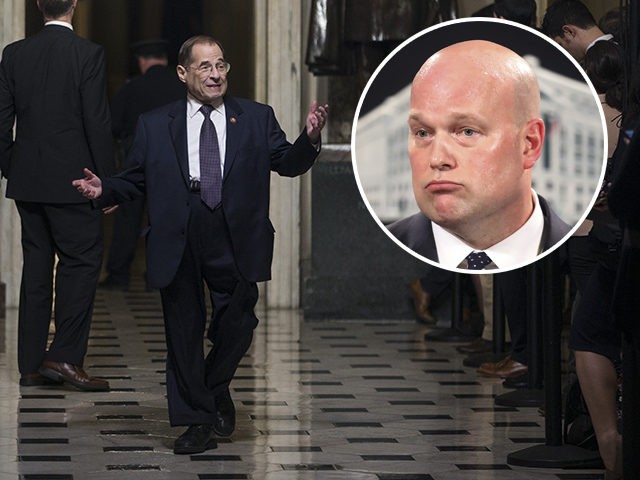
[(53, 86), (474, 135), (204, 228), (156, 86)]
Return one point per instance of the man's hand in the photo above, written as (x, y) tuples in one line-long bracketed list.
[(316, 119), (90, 186)]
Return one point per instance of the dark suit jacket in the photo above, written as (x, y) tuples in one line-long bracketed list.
[(256, 145), (53, 83), (416, 232)]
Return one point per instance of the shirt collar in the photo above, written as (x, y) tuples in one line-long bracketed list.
[(520, 248), (605, 37), (193, 107), (58, 22)]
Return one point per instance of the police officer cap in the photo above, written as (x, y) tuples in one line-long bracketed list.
[(150, 48)]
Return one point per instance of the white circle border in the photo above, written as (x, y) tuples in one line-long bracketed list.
[(444, 25)]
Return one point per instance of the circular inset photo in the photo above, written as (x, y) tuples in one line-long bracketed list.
[(479, 145)]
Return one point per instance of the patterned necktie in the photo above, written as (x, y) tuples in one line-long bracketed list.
[(210, 173), (477, 260)]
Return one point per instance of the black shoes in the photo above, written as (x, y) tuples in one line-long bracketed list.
[(199, 438), (196, 439), (225, 420)]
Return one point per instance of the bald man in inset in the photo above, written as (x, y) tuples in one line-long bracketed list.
[(475, 133)]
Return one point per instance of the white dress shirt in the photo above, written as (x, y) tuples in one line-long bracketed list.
[(58, 22), (519, 248), (603, 38), (194, 124)]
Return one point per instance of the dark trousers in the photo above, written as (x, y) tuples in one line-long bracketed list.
[(513, 287), (193, 379), (436, 280), (73, 232), (126, 232)]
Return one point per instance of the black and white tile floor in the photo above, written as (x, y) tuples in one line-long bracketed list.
[(365, 400)]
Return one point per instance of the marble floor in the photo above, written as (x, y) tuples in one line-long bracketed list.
[(366, 400)]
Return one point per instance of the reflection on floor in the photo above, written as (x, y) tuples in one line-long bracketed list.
[(315, 400)]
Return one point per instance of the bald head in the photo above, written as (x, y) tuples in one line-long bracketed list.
[(490, 65)]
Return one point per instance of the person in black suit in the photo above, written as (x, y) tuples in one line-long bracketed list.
[(474, 136), (52, 85), (156, 86), (201, 231)]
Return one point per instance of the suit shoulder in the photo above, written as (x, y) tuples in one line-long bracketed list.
[(247, 105), (557, 227), (172, 109), (404, 227)]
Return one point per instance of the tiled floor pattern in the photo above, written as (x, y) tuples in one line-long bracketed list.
[(365, 400)]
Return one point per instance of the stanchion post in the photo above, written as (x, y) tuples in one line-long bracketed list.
[(498, 318), (553, 454), (452, 334)]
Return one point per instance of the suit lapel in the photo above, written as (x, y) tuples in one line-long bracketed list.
[(235, 128), (427, 243), (178, 129)]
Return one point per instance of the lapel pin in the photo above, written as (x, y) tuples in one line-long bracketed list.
[(233, 120)]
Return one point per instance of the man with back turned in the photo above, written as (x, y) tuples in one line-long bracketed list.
[(52, 85)]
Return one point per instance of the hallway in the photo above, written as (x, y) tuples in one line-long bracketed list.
[(315, 400)]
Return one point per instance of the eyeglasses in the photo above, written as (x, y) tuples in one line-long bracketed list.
[(206, 68)]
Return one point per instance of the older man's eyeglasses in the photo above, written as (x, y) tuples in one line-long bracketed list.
[(206, 68)]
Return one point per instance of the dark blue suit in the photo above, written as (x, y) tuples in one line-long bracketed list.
[(229, 248)]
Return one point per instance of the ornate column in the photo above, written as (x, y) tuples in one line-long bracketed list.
[(12, 15), (280, 75)]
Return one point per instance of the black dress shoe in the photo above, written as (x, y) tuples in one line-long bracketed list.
[(196, 439), (36, 380), (73, 375), (225, 418)]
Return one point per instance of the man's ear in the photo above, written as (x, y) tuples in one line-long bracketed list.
[(181, 71), (569, 31), (533, 135)]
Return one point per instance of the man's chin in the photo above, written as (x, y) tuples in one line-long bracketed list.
[(447, 220)]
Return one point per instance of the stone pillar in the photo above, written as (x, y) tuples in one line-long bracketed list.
[(12, 15), (280, 74)]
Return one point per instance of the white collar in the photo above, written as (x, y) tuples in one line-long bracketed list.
[(58, 22), (193, 107), (518, 249), (605, 37)]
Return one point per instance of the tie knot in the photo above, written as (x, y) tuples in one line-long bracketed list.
[(477, 260), (206, 109)]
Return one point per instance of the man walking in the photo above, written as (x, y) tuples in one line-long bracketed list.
[(204, 163)]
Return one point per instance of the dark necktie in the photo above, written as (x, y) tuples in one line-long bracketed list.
[(210, 173), (477, 260)]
